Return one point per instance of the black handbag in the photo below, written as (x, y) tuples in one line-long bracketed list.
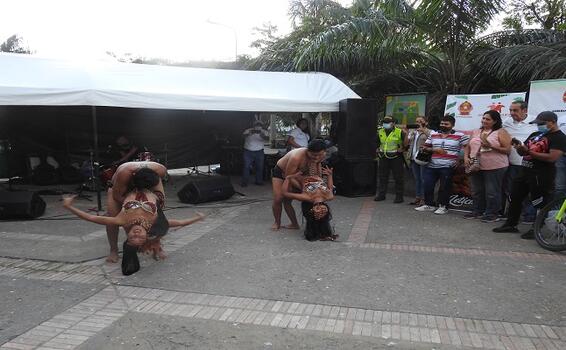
[(423, 158)]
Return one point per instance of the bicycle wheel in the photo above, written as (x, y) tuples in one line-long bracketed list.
[(550, 233)]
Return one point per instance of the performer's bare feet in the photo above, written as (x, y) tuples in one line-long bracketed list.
[(275, 227), (112, 257), (292, 227), (159, 255)]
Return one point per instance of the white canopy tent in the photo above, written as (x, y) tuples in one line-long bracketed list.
[(29, 80)]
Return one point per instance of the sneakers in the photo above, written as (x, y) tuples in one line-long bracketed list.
[(530, 234), (489, 218), (441, 210), (506, 228), (472, 216), (379, 198), (528, 221), (425, 208)]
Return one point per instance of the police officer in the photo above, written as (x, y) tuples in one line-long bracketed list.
[(391, 143)]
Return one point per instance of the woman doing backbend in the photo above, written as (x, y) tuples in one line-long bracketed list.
[(141, 212), (316, 192)]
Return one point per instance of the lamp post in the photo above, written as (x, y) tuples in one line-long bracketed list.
[(235, 36)]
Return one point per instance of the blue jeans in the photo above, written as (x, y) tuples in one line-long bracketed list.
[(250, 157), (431, 177), (560, 179), (418, 175), (486, 191), (529, 212)]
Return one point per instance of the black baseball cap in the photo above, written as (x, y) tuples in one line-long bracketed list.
[(388, 119), (546, 116)]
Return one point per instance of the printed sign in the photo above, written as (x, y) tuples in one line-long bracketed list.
[(549, 95), (405, 108), (469, 109)]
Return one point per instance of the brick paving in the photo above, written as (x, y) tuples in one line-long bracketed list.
[(97, 271), (361, 225), (461, 251), (73, 327)]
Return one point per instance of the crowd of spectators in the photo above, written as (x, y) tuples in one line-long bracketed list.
[(515, 166)]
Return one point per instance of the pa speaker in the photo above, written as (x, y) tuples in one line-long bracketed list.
[(206, 189), (20, 205), (355, 178), (357, 129)]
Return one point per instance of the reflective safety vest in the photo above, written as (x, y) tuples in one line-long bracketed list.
[(390, 143)]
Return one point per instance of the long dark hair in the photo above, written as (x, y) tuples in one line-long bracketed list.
[(316, 229), (496, 117)]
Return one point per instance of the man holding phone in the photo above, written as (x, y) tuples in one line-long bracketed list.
[(536, 177), (253, 152)]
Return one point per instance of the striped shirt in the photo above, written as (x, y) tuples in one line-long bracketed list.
[(452, 143)]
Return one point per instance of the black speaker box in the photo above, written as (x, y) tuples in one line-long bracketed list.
[(231, 161), (355, 178), (357, 129), (206, 189), (20, 205)]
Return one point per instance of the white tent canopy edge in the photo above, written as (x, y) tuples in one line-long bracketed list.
[(31, 80)]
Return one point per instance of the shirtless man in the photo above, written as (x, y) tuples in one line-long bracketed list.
[(305, 160), (116, 195)]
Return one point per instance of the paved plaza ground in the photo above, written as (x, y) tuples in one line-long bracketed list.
[(396, 279)]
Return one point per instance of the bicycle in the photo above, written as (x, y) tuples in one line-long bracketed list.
[(550, 225)]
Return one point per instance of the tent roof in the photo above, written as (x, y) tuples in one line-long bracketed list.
[(29, 80)]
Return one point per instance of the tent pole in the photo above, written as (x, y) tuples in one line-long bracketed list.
[(96, 157)]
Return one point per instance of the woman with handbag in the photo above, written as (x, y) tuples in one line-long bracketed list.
[(486, 159), (417, 138)]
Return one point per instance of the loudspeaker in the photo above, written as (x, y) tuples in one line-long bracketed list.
[(357, 129), (206, 189), (355, 178), (20, 205)]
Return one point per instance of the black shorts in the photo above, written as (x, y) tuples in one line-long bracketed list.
[(277, 172)]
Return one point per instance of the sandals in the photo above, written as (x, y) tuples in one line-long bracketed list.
[(329, 238)]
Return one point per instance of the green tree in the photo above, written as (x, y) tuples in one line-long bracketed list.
[(545, 14), (266, 35), (14, 44), (389, 46)]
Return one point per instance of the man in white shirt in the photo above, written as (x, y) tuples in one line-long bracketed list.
[(253, 152), (517, 125), (299, 137)]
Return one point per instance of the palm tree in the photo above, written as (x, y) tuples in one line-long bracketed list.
[(390, 46)]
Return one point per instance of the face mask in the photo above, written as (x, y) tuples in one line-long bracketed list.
[(445, 129), (542, 128), (387, 126)]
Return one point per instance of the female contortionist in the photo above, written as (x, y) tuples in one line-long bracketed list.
[(315, 193), (141, 213)]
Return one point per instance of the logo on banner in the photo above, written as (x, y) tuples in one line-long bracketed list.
[(465, 108), (496, 106)]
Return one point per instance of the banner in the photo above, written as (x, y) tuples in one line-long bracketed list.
[(549, 95), (469, 109), (405, 108)]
